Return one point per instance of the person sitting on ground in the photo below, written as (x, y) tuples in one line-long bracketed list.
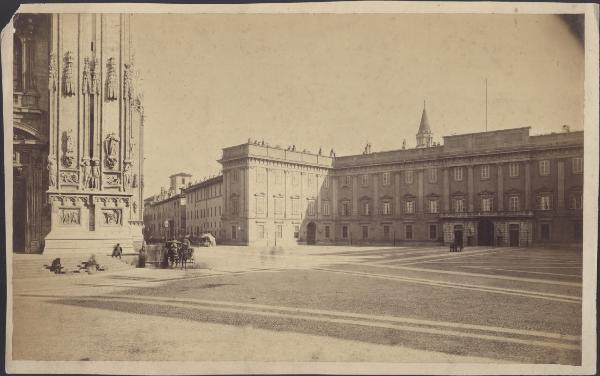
[(56, 267), (117, 251)]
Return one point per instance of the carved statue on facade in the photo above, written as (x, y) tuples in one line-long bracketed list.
[(134, 181), (112, 217), (86, 172), (111, 80), (52, 72), (134, 207), (51, 166), (85, 80), (111, 149), (131, 145), (69, 217), (68, 148), (127, 174), (68, 85), (403, 144), (95, 174), (128, 81)]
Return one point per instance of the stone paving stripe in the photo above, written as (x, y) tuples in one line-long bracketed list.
[(447, 254), (467, 274), (464, 286), (522, 271), (370, 323)]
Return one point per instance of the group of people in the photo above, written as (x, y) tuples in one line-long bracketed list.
[(177, 253)]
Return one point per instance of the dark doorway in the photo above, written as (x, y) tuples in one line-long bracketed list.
[(311, 233), (513, 235), (458, 237), (19, 214), (485, 233)]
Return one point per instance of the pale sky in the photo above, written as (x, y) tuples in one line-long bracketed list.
[(337, 80)]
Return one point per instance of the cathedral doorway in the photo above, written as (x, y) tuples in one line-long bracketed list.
[(19, 213), (485, 233), (311, 233)]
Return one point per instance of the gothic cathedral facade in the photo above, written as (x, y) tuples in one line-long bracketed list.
[(77, 134)]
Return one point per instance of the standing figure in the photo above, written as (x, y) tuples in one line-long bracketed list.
[(86, 180), (127, 175), (95, 175), (51, 172), (68, 86)]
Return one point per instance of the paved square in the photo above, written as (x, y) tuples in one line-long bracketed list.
[(394, 304)]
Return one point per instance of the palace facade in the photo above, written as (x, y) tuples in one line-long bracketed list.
[(495, 188), (77, 134)]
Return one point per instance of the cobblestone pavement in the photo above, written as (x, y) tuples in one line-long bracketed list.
[(383, 304)]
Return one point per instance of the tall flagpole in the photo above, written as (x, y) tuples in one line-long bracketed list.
[(486, 106)]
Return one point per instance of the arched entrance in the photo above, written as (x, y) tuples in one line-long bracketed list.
[(485, 233), (311, 233)]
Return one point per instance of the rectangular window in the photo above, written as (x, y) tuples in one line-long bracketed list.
[(260, 229), (545, 202), (365, 232), (409, 207), (575, 201), (433, 175), (260, 205), (278, 205), (433, 206), (260, 175), (295, 206), (326, 182), (296, 231), (386, 178), (278, 177), (236, 175), (347, 180), (513, 170), (344, 232), (485, 172), (408, 177), (311, 207), (387, 208), (364, 180), (279, 233), (545, 231), (513, 203), (386, 232), (325, 207), (234, 205), (578, 165), (295, 179), (458, 173), (432, 232), (408, 232), (311, 180), (345, 208), (459, 205), (486, 204), (233, 232), (544, 168), (326, 232), (366, 208)]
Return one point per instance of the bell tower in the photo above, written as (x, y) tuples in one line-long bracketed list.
[(424, 136)]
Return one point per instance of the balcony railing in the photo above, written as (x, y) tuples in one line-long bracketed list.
[(25, 100), (481, 214)]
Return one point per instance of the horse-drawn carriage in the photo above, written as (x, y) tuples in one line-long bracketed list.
[(177, 254)]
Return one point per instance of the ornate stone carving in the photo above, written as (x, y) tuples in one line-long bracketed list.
[(69, 216), (68, 177), (94, 87), (86, 173), (70, 200), (51, 166), (126, 174), (52, 72), (95, 181), (111, 201), (68, 148), (111, 150), (68, 85), (85, 79), (134, 207), (112, 179), (112, 216), (134, 181), (111, 80), (128, 89)]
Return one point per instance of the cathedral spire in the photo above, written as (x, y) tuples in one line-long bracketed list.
[(424, 135)]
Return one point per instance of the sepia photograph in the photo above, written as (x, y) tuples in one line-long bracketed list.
[(333, 188)]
